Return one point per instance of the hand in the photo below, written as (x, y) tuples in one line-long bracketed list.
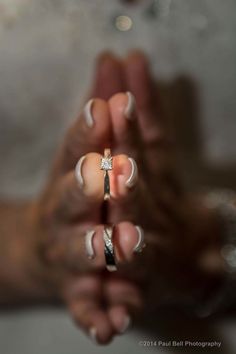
[(66, 211), (182, 235), (68, 208)]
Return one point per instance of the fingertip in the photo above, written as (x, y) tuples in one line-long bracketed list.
[(119, 318), (91, 131), (109, 77), (124, 176), (122, 108), (92, 176), (96, 116), (101, 330), (137, 68), (105, 56), (137, 55), (126, 239), (93, 320), (106, 63)]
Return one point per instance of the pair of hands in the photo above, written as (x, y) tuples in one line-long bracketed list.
[(176, 228)]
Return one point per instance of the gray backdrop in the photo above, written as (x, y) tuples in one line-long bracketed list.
[(47, 51)]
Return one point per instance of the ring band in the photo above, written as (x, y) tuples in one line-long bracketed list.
[(106, 165), (109, 248)]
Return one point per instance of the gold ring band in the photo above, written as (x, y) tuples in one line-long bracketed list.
[(106, 166)]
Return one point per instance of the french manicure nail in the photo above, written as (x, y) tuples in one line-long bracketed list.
[(133, 175), (140, 244), (126, 324), (130, 106), (93, 334), (89, 244), (78, 171), (88, 113)]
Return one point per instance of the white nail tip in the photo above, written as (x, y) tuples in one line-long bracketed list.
[(111, 268), (88, 113), (134, 174), (130, 106), (140, 244), (93, 334), (78, 171), (89, 243), (126, 324)]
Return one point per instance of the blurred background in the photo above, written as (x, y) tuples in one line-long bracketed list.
[(47, 53)]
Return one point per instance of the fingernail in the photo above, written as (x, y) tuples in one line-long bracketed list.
[(89, 244), (130, 106), (78, 171), (111, 268), (125, 324), (140, 244), (93, 334), (88, 113), (133, 175)]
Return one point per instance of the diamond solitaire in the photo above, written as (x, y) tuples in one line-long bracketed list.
[(106, 165)]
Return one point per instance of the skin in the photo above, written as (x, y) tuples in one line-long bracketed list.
[(182, 236)]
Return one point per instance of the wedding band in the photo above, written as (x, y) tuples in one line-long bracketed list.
[(106, 165), (109, 248)]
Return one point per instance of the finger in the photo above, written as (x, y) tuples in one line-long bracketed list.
[(120, 318), (93, 319), (85, 304), (125, 300), (109, 76), (79, 192), (127, 138), (90, 132), (127, 190), (81, 248), (140, 83), (124, 123), (123, 177), (155, 133)]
